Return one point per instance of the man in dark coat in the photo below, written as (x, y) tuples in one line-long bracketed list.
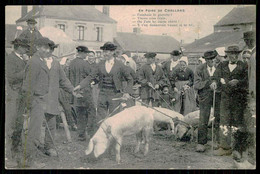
[(109, 74), (169, 66), (31, 34), (205, 82), (14, 68), (151, 78), (232, 75), (43, 79), (78, 70)]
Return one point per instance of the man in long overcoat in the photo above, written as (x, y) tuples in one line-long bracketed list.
[(232, 75), (15, 66), (151, 77), (205, 82), (43, 78), (31, 34), (78, 70)]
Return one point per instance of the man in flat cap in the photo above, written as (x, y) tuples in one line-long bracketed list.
[(205, 82), (31, 34), (14, 68), (43, 78), (232, 76), (109, 74), (79, 69), (151, 77)]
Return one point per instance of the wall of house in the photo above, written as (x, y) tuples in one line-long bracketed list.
[(90, 33)]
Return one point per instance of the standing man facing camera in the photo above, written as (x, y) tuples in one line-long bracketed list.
[(110, 74)]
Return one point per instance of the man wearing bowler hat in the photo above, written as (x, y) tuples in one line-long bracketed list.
[(232, 76), (31, 34), (205, 82), (14, 68), (43, 78), (110, 75), (151, 78), (79, 69)]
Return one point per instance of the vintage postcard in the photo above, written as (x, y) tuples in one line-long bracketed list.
[(130, 87)]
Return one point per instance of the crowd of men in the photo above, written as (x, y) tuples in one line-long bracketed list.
[(38, 84)]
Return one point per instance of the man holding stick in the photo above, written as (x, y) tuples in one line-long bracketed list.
[(205, 82), (43, 78)]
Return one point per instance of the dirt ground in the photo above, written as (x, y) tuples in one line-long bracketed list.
[(164, 153)]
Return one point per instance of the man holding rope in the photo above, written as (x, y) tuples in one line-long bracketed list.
[(151, 77), (205, 82)]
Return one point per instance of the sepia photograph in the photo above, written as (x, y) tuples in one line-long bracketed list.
[(130, 87)]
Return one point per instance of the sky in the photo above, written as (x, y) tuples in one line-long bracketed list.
[(199, 18)]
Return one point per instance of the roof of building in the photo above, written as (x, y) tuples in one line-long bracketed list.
[(75, 12), (239, 15), (215, 40), (135, 42)]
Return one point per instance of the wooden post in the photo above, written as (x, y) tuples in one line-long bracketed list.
[(66, 127)]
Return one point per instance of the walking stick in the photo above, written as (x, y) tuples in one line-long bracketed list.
[(66, 127), (212, 128), (47, 126)]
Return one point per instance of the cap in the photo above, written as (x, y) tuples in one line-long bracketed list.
[(233, 49), (210, 54), (31, 21), (20, 42), (108, 46), (175, 53), (150, 55), (83, 49)]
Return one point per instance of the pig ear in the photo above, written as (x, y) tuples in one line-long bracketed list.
[(99, 149), (90, 147)]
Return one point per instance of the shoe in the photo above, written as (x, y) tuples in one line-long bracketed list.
[(222, 152), (236, 156), (80, 138), (51, 152), (200, 148)]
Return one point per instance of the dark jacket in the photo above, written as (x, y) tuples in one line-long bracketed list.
[(202, 81), (119, 75), (145, 75), (179, 75), (44, 82), (14, 68), (166, 68)]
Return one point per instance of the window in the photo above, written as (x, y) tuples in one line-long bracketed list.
[(99, 33), (62, 27), (81, 32)]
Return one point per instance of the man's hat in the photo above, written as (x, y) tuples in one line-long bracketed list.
[(83, 49), (53, 45), (210, 54), (20, 42), (233, 49), (150, 55), (249, 35), (108, 46), (43, 41), (31, 21), (175, 53)]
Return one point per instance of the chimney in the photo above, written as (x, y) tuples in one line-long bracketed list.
[(24, 10), (137, 30), (106, 10)]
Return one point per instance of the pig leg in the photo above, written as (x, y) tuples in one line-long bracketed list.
[(147, 132), (172, 126), (139, 137), (117, 147)]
